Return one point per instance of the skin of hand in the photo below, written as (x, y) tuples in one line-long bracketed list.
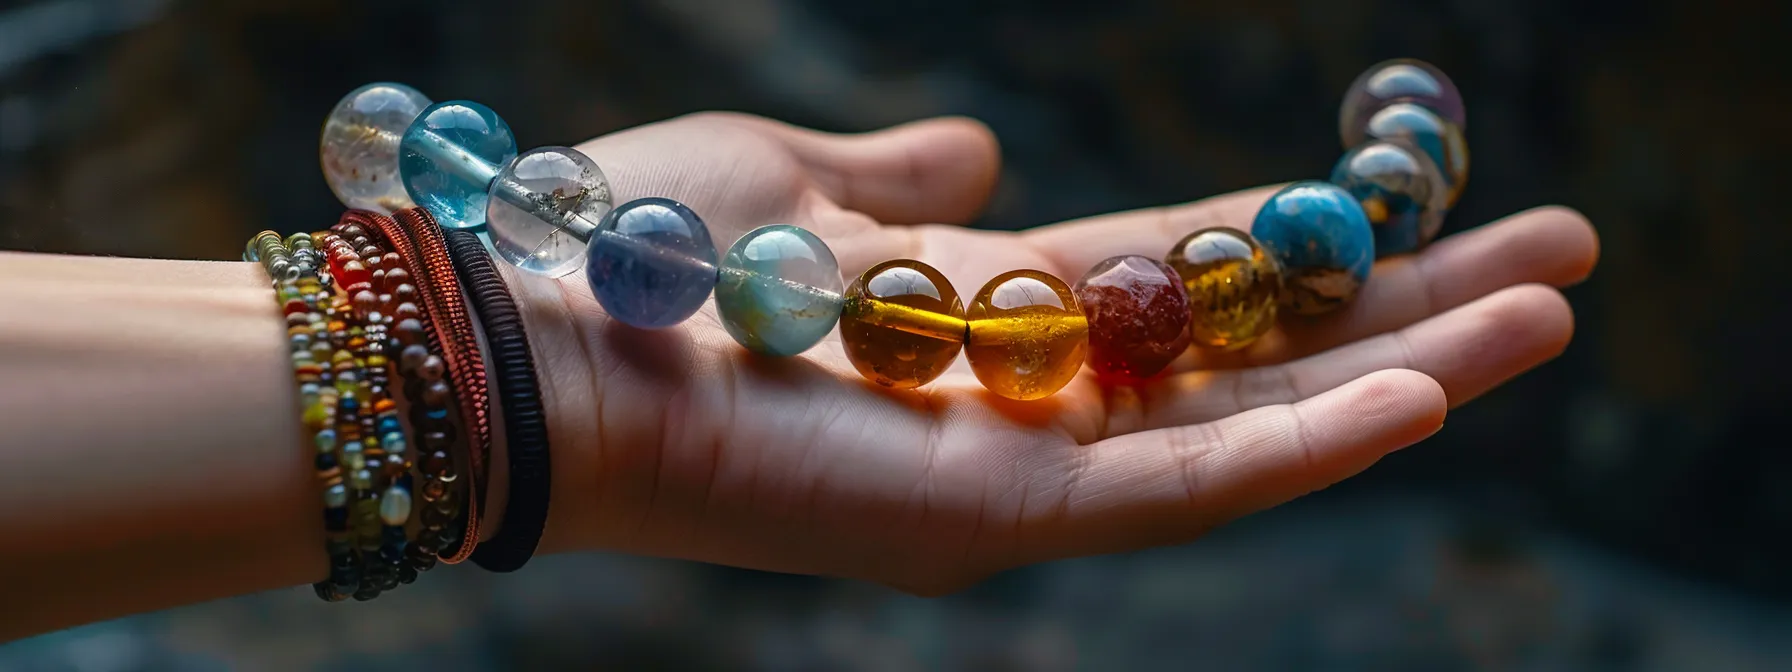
[(680, 443)]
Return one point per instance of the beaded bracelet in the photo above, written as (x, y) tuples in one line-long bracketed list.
[(300, 291), (414, 344), (376, 453), (525, 421), (651, 264), (447, 307)]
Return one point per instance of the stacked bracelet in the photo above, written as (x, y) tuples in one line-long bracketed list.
[(519, 393)]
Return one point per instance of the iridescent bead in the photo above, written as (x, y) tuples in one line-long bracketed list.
[(543, 208), (448, 158), (395, 506), (1028, 335), (902, 324), (1422, 128), (1138, 316), (1321, 237), (1402, 80), (1401, 192), (360, 145), (651, 263), (1232, 287), (780, 290)]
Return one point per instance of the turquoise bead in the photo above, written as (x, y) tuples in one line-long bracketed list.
[(448, 158), (359, 145), (780, 290), (1322, 237), (1401, 191)]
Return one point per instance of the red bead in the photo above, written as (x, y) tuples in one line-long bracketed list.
[(1138, 316), (296, 306), (354, 273), (395, 276)]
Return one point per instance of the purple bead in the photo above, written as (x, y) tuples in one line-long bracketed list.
[(651, 263)]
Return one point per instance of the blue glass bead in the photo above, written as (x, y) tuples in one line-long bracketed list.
[(389, 425), (1441, 140), (780, 290), (1401, 191), (359, 145), (1402, 80), (1322, 237), (448, 158), (651, 263), (543, 207)]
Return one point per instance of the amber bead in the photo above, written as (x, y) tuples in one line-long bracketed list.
[(1138, 316), (1028, 335), (1232, 286), (902, 324)]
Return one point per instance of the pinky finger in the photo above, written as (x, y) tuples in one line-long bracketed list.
[(1170, 485)]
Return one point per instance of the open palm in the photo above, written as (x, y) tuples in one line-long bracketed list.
[(680, 443)]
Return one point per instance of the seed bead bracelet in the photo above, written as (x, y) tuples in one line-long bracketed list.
[(376, 457), (414, 345), (300, 291)]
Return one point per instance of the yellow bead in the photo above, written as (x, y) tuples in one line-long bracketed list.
[(1028, 335), (1232, 286), (316, 415), (902, 324)]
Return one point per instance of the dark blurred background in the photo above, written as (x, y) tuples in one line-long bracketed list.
[(1625, 507)]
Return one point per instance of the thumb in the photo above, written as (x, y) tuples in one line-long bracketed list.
[(938, 170)]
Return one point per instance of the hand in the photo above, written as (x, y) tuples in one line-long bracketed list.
[(680, 443)]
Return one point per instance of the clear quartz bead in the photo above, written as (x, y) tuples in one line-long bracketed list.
[(544, 205), (359, 147)]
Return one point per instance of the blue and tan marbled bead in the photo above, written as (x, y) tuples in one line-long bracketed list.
[(1402, 193), (1321, 236), (780, 290)]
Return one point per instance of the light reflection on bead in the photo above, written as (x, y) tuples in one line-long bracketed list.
[(395, 506)]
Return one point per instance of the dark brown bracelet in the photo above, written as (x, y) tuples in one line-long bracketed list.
[(446, 303), (519, 394)]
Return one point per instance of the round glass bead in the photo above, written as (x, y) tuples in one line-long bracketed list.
[(359, 146), (902, 324), (1138, 316), (336, 496), (395, 506), (1321, 237), (543, 207), (326, 440), (651, 263), (1028, 335), (1232, 287), (448, 158), (1402, 80), (780, 290), (1439, 139), (1401, 192)]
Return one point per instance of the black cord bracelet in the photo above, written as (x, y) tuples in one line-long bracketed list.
[(525, 421)]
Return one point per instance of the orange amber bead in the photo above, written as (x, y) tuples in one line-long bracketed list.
[(1028, 336), (902, 324), (1232, 286)]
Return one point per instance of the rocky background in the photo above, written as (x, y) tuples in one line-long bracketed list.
[(1623, 508)]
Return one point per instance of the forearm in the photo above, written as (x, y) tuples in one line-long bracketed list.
[(151, 455)]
